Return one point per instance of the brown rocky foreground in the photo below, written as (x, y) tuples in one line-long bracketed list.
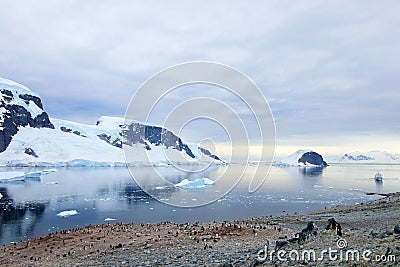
[(370, 229)]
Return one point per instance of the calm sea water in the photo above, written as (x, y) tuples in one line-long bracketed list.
[(29, 209)]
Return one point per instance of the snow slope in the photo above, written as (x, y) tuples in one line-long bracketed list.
[(292, 160), (28, 137)]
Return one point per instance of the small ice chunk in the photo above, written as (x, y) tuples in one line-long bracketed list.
[(67, 213), (159, 187), (49, 170), (1, 195), (317, 186), (109, 219), (198, 183)]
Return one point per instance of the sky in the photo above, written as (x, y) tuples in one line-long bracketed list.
[(328, 69)]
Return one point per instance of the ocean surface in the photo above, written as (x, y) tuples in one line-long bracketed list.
[(109, 195)]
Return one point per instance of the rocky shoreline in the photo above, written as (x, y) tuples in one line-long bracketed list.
[(370, 229)]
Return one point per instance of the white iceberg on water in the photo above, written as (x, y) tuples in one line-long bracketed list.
[(12, 176), (67, 213), (198, 183)]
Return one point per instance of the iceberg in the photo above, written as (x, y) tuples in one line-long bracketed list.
[(67, 213), (15, 176), (198, 183), (12, 176), (317, 186), (109, 219)]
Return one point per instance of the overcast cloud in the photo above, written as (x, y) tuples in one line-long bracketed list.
[(330, 69)]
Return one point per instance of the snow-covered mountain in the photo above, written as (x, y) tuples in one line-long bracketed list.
[(374, 156), (29, 137), (302, 158)]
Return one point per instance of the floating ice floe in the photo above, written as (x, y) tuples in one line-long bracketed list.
[(317, 186), (12, 176), (49, 171), (1, 195), (16, 176), (198, 183), (160, 187), (109, 219), (50, 183), (67, 213)]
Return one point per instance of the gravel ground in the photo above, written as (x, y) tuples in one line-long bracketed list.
[(367, 226)]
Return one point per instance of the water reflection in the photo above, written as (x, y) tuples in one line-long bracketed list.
[(133, 194), (18, 219), (100, 193), (378, 185), (311, 171)]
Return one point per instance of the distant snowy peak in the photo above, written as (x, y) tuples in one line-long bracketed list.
[(374, 156), (302, 158), (19, 107)]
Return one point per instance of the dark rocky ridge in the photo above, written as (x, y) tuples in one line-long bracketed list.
[(16, 116), (312, 158), (208, 153), (137, 133), (357, 158)]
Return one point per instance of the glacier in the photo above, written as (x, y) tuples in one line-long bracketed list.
[(30, 138)]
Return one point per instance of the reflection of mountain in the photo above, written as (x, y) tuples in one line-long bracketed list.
[(17, 219), (313, 171), (133, 194)]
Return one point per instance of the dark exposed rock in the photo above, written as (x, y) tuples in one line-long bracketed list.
[(16, 116), (397, 230), (68, 130), (208, 153), (31, 152), (137, 133), (107, 138), (312, 158), (65, 129), (7, 95), (77, 133), (32, 98)]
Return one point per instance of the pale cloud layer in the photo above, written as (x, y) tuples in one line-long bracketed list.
[(330, 69)]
